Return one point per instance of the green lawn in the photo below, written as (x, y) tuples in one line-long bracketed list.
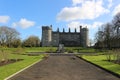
[(41, 49), (79, 50), (9, 69), (100, 60), (53, 49)]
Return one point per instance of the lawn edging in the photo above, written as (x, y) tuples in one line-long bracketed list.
[(22, 70), (113, 73)]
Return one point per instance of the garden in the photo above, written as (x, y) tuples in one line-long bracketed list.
[(13, 60), (108, 60)]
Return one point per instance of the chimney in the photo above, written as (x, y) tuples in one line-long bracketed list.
[(57, 29), (63, 30), (75, 30), (80, 28), (69, 29)]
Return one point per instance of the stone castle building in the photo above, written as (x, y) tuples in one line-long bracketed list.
[(54, 38)]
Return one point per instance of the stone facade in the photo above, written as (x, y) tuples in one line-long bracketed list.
[(54, 38)]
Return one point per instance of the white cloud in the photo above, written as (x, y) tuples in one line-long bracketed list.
[(116, 10), (4, 19), (110, 3), (76, 24), (75, 2), (96, 24), (24, 23), (89, 9)]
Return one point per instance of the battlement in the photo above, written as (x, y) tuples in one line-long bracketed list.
[(46, 28), (54, 38)]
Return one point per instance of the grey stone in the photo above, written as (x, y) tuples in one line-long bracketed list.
[(54, 38)]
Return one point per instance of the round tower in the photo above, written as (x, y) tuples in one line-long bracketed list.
[(84, 35), (46, 36)]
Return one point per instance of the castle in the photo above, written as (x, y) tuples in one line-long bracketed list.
[(69, 39)]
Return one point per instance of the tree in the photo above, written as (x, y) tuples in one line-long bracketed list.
[(7, 35), (104, 35), (32, 41), (91, 42), (99, 37), (116, 22), (16, 43), (108, 32)]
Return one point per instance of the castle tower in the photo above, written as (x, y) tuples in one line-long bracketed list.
[(84, 37), (46, 36)]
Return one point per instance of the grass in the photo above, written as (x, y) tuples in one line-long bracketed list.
[(41, 49), (100, 60), (32, 49), (10, 69), (53, 49), (79, 50)]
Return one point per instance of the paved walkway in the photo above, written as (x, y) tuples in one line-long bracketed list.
[(63, 67)]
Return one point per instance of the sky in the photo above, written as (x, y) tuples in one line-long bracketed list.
[(28, 16)]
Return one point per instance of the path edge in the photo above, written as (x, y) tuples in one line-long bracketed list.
[(22, 70)]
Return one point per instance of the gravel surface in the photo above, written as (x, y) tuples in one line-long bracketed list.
[(63, 67)]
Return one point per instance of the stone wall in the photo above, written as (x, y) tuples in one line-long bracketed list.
[(54, 38), (70, 39)]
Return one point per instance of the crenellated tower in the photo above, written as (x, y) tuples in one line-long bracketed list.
[(84, 36), (46, 36)]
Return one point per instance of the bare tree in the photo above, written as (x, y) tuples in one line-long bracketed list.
[(91, 42), (7, 35), (99, 37), (108, 31), (104, 35), (116, 22)]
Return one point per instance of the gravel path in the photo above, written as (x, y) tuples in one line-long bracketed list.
[(63, 67)]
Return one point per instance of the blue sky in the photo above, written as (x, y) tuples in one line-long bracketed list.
[(27, 16)]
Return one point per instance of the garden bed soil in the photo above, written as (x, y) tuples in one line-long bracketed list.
[(2, 63)]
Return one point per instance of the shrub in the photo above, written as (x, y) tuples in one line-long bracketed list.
[(117, 56), (108, 55), (4, 55), (113, 55)]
